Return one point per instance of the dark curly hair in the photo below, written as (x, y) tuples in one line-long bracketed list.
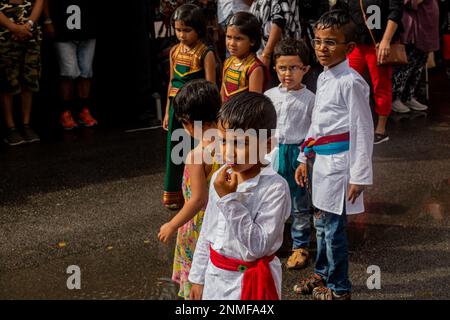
[(292, 47)]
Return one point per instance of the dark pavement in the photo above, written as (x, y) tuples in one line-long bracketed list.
[(92, 198)]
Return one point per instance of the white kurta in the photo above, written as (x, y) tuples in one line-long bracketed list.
[(294, 109), (342, 105), (247, 225)]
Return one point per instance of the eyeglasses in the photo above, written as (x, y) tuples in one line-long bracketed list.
[(329, 43), (284, 69)]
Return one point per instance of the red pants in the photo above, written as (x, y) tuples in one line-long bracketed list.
[(365, 56)]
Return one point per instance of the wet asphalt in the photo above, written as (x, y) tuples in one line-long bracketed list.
[(92, 198)]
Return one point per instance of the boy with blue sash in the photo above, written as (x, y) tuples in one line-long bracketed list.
[(294, 104), (340, 139)]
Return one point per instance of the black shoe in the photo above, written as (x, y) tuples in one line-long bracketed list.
[(13, 137), (380, 138), (29, 135)]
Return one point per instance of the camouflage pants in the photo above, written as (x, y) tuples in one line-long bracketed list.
[(20, 66)]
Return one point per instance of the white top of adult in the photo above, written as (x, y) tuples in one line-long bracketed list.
[(294, 109), (227, 7), (247, 225), (342, 105)]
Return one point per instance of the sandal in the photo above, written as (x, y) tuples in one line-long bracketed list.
[(324, 293), (299, 259), (307, 285)]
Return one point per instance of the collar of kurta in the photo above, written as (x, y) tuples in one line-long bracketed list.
[(337, 69), (294, 92), (253, 182)]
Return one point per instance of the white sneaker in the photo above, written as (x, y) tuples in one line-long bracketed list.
[(416, 105), (400, 107)]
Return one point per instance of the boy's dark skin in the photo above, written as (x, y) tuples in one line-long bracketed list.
[(331, 58)]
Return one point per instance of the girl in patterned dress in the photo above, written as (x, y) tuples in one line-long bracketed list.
[(243, 71), (196, 107), (190, 59)]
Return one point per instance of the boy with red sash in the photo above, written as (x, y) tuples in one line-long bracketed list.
[(340, 140), (247, 208)]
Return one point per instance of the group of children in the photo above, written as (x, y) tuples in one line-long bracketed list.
[(232, 219)]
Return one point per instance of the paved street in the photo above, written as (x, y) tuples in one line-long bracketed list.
[(92, 198)]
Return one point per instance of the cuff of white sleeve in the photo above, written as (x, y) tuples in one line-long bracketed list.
[(196, 279), (301, 158)]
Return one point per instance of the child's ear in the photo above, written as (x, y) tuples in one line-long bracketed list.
[(307, 68), (350, 47)]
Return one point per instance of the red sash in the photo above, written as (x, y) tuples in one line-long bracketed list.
[(258, 283)]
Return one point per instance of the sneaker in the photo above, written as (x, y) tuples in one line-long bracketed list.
[(416, 105), (13, 137), (380, 138), (86, 118), (400, 107), (29, 135), (298, 259), (67, 121), (324, 293), (306, 286)]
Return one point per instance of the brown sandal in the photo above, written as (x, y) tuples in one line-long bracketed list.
[(324, 293), (306, 286)]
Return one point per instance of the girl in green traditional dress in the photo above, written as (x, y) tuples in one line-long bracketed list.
[(190, 59)]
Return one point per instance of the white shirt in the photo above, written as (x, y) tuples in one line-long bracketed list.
[(247, 225), (294, 109), (342, 105), (227, 7)]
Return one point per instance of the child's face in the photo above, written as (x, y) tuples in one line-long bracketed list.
[(290, 71), (185, 34), (333, 48), (240, 151), (238, 44)]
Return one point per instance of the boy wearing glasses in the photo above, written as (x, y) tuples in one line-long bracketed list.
[(294, 104), (340, 139)]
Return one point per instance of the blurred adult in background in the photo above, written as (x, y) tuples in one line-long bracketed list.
[(72, 25), (421, 36), (20, 64), (365, 55), (280, 19)]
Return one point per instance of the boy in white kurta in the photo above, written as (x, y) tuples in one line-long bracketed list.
[(340, 140), (293, 103), (247, 208)]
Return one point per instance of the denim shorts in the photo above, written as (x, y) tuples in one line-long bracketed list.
[(75, 58)]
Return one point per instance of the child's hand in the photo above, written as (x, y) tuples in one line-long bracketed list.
[(301, 175), (165, 123), (225, 183), (196, 291), (165, 232), (354, 191)]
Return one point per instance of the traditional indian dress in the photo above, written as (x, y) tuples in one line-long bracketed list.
[(187, 66), (187, 238), (236, 75)]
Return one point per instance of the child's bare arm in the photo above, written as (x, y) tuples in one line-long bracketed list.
[(199, 197), (165, 123), (210, 67), (256, 80)]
